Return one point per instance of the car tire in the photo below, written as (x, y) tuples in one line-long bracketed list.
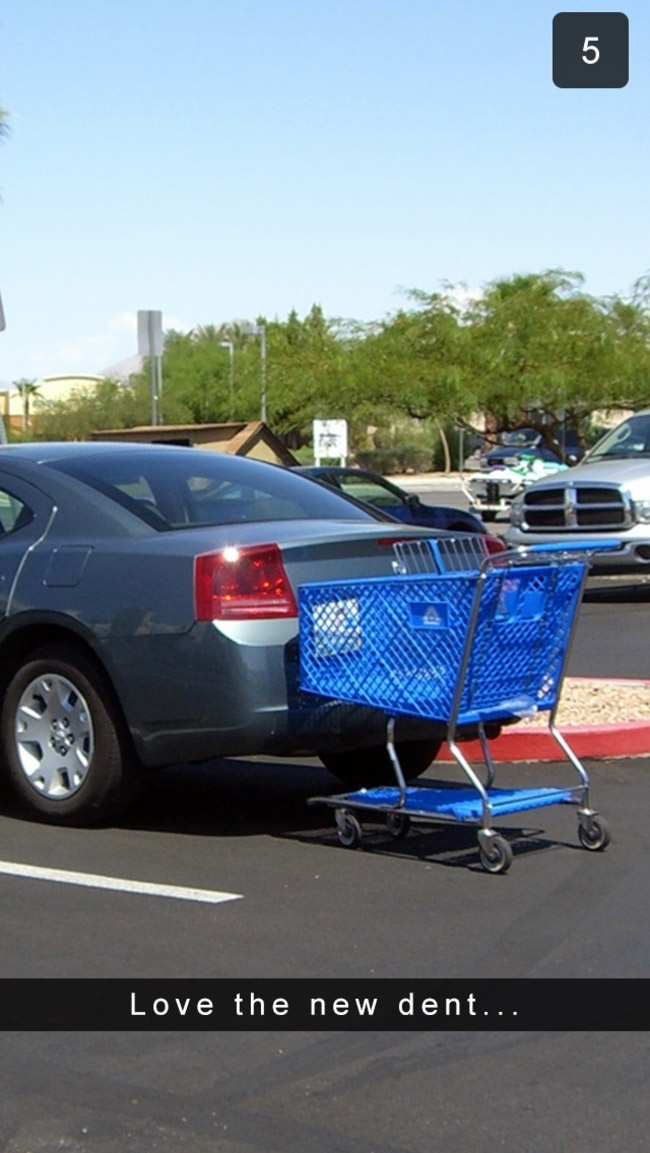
[(67, 754), (373, 766)]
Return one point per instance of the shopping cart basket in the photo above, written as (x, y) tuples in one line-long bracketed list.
[(466, 648)]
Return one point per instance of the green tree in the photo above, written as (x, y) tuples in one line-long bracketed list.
[(306, 372), (539, 350), (108, 404), (411, 362), (196, 383), (27, 390)]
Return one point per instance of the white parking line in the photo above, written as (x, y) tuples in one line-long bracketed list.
[(97, 881)]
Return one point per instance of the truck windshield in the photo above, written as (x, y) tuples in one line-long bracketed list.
[(629, 439)]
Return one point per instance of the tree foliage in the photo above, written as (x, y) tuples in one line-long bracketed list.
[(534, 349)]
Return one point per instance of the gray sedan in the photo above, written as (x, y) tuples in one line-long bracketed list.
[(148, 616)]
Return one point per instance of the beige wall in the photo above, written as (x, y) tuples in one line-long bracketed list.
[(49, 388)]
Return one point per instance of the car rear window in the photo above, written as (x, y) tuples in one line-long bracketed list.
[(185, 488)]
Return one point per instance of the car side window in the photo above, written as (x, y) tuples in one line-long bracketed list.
[(363, 489), (14, 513)]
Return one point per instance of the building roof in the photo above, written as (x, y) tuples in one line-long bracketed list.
[(254, 439)]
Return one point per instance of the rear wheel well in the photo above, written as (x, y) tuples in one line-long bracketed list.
[(17, 648)]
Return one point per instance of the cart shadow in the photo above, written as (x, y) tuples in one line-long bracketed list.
[(447, 846)]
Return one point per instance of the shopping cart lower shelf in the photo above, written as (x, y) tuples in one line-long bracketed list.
[(471, 648)]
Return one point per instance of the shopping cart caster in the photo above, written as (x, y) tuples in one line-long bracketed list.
[(593, 832), (348, 829), (398, 824), (495, 853)]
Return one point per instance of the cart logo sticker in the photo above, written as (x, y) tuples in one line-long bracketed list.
[(429, 615), (337, 627)]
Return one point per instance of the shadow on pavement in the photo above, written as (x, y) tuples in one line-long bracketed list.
[(617, 593), (234, 798), (261, 797)]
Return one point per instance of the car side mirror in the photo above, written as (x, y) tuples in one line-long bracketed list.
[(571, 458), (413, 501)]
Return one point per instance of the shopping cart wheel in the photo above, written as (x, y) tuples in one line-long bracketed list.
[(398, 824), (496, 857), (348, 829), (594, 835)]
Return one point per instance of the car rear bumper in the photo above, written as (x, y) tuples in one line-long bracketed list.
[(232, 699)]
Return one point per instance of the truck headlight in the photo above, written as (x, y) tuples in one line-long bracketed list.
[(517, 512), (642, 509)]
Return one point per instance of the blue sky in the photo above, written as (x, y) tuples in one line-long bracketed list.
[(229, 160)]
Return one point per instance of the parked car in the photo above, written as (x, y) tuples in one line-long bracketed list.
[(372, 489), (148, 616), (528, 442), (606, 495), (510, 447), (491, 491)]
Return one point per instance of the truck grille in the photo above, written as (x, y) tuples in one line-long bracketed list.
[(577, 507)]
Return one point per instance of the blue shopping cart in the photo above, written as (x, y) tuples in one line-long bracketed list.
[(468, 643)]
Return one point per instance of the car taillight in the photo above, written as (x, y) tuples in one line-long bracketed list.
[(242, 584), (495, 544)]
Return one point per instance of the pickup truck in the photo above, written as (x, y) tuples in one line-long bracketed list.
[(606, 495)]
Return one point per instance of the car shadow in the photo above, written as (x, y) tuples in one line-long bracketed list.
[(232, 798), (633, 593)]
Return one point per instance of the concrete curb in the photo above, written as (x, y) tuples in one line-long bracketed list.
[(523, 742)]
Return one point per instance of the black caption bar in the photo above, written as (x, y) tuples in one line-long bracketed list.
[(329, 1005)]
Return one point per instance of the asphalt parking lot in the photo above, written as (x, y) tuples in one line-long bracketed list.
[(303, 906), (421, 908), (287, 901)]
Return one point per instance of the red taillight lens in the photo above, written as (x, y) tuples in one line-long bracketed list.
[(242, 584), (495, 544)]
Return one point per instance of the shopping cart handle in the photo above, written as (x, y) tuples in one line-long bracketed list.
[(575, 546)]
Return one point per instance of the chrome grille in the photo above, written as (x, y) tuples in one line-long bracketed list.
[(575, 507)]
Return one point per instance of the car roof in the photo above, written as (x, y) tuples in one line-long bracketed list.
[(43, 451)]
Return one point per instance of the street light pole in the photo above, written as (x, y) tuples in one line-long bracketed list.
[(231, 374), (259, 330), (262, 335)]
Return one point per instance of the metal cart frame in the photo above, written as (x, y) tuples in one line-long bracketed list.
[(506, 591)]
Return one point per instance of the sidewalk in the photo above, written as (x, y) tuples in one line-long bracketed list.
[(428, 481)]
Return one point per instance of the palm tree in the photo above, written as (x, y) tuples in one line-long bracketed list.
[(27, 389)]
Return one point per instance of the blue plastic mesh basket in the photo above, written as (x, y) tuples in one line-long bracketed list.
[(397, 643)]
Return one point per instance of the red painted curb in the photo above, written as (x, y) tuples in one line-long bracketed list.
[(599, 742), (631, 739)]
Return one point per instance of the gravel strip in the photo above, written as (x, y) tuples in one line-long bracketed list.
[(599, 702)]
